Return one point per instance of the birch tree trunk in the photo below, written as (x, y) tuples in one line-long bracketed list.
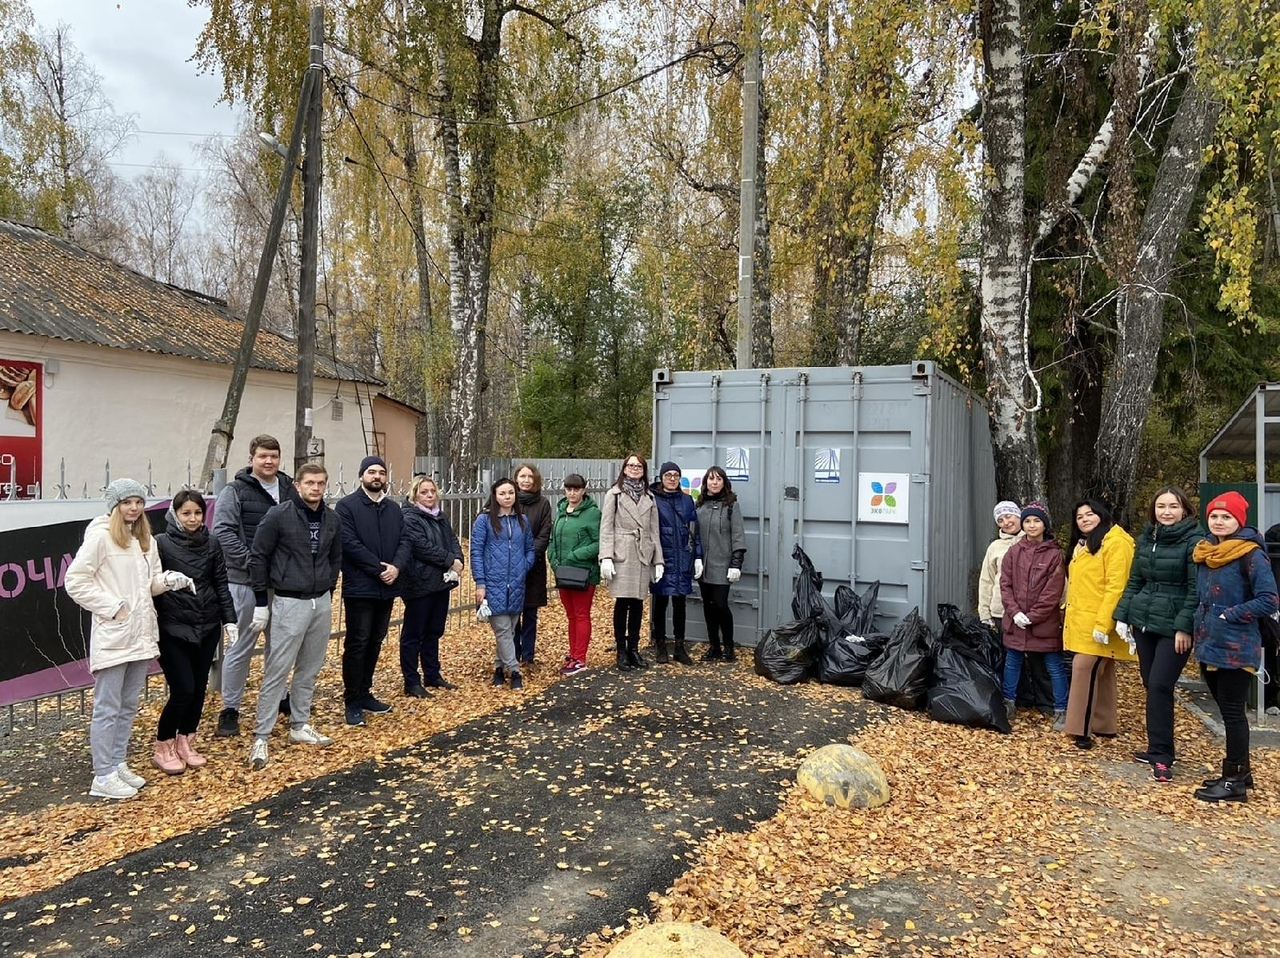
[(1003, 256), (1140, 307)]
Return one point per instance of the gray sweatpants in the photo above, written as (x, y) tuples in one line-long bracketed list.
[(115, 703), (300, 630), (504, 633), (235, 660)]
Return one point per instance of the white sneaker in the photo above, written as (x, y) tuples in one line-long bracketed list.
[(1273, 709), (130, 777), (111, 786), (306, 735), (258, 754)]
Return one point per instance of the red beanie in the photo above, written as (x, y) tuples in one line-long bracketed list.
[(1231, 502)]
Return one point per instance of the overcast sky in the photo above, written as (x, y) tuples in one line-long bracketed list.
[(142, 50)]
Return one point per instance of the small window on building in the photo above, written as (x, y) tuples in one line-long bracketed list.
[(335, 411)]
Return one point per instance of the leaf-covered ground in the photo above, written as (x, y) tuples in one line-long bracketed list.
[(490, 822)]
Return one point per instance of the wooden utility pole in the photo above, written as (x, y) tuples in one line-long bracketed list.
[(747, 196), (311, 175)]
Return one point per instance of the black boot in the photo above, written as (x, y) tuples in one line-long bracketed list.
[(633, 653), (660, 649), (728, 651), (624, 663), (1246, 778), (1230, 788), (713, 653), (680, 655)]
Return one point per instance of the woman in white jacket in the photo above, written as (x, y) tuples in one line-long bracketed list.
[(113, 576)]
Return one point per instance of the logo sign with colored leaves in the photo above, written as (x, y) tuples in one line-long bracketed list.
[(884, 497)]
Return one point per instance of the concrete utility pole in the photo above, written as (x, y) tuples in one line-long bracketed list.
[(224, 429), (311, 175), (747, 196)]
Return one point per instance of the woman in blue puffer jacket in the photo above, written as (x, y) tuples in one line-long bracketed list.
[(682, 548), (501, 556)]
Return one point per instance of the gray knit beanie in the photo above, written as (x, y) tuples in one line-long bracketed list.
[(121, 489)]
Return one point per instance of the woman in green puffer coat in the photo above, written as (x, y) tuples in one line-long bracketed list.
[(1156, 614), (575, 541)]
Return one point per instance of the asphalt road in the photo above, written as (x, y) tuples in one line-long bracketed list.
[(532, 826)]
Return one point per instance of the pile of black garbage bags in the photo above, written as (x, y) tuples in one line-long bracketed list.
[(955, 675)]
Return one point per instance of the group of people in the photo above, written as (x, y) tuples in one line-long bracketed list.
[(644, 540), (1176, 591)]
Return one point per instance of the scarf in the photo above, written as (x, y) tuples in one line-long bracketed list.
[(633, 487), (430, 512), (528, 498), (1217, 554)]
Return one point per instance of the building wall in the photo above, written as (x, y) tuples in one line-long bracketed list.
[(130, 408), (395, 437)]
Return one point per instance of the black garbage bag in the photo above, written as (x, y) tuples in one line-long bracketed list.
[(807, 600), (846, 658), (968, 631), (966, 690), (902, 674), (789, 653), (864, 624)]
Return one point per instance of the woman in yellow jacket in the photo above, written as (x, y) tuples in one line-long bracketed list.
[(1096, 579)]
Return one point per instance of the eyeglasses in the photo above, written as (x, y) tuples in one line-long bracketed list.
[(635, 465), (670, 473)]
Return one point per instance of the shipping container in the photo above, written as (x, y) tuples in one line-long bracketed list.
[(880, 473)]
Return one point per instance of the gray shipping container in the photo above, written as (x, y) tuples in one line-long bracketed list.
[(880, 473)]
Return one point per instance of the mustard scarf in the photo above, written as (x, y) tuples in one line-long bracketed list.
[(1216, 555)]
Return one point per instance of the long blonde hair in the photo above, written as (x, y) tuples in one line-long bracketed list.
[(122, 531)]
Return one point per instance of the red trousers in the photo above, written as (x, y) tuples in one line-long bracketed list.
[(577, 608)]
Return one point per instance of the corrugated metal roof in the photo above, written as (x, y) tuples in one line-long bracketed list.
[(51, 287), (1238, 437)]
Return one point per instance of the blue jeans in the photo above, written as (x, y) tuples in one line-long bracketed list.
[(526, 633), (1013, 659)]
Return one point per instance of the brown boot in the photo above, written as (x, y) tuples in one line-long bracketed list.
[(186, 747), (166, 758)]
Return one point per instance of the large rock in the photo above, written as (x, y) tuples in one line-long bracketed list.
[(675, 939), (844, 776)]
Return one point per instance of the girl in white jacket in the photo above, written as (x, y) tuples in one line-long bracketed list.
[(113, 576)]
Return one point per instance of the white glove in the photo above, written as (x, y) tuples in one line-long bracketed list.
[(451, 576), (697, 568), (1021, 621), (657, 573), (1123, 630), (484, 612), (232, 632), (733, 575), (1101, 637), (261, 616), (606, 569), (1133, 647), (176, 581)]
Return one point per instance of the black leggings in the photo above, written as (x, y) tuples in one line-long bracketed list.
[(186, 671), (658, 617), (627, 614), (1160, 664), (1230, 688), (715, 609)]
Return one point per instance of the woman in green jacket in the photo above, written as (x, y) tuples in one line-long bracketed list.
[(1156, 613), (575, 541)]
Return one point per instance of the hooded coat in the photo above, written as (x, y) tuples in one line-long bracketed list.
[(990, 604), (1031, 580), (1160, 597), (184, 615), (1231, 600), (681, 542), (1095, 583), (575, 538), (433, 547), (629, 537)]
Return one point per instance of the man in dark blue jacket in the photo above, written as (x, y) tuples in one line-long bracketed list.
[(373, 553)]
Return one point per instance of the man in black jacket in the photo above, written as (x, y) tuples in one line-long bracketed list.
[(239, 508), (373, 553), (294, 564)]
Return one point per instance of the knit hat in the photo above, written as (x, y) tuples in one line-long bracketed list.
[(1006, 507), (668, 467), (121, 489), (1231, 502), (1037, 510), (368, 461)]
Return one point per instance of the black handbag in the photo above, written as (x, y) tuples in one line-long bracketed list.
[(572, 577)]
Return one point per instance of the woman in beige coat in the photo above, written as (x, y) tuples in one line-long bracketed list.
[(630, 554)]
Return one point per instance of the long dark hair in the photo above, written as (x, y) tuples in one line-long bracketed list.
[(727, 496), (1188, 510), (495, 510), (644, 468), (183, 496), (1093, 541)]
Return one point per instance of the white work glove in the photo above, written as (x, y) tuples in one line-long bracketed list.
[(1133, 647), (261, 616), (1101, 637), (606, 569), (451, 576), (484, 612), (657, 573), (1123, 630), (697, 568), (1021, 621), (176, 581), (733, 575), (232, 632)]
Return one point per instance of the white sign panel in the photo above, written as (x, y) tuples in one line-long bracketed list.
[(826, 465), (884, 497)]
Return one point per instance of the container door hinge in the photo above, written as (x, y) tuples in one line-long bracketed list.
[(920, 477), (920, 565)]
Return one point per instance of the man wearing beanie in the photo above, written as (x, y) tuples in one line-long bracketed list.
[(373, 553), (1008, 517)]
